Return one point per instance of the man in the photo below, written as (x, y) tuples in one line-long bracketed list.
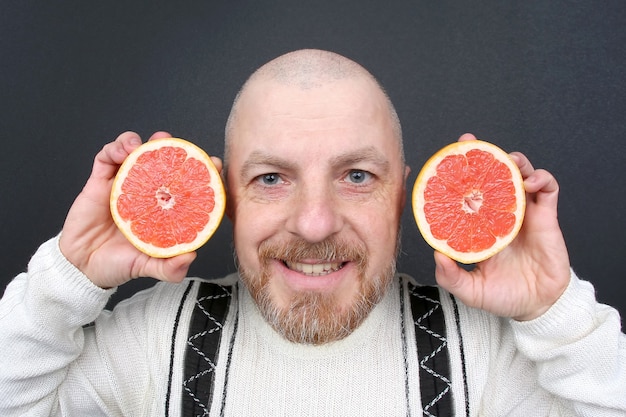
[(317, 322)]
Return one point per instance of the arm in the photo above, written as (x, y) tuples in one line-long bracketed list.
[(531, 283), (52, 364), (579, 353), (41, 331), (67, 285)]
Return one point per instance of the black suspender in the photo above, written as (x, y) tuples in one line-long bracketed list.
[(205, 335), (432, 350)]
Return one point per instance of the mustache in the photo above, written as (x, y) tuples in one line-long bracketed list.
[(331, 249)]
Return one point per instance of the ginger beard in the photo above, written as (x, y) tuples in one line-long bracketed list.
[(313, 317)]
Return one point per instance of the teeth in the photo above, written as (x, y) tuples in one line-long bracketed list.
[(314, 269)]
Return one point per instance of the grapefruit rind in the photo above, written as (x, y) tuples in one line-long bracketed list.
[(428, 171), (216, 215)]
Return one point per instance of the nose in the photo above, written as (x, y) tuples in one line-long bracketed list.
[(315, 213)]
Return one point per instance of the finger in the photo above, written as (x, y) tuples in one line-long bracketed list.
[(457, 281), (108, 160), (523, 163), (160, 135), (467, 136), (129, 141), (447, 273), (170, 269), (218, 163), (117, 151), (176, 268), (543, 187)]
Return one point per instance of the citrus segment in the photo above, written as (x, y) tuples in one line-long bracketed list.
[(167, 197), (469, 200)]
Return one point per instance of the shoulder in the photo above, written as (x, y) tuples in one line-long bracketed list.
[(162, 304), (457, 314), (150, 317), (165, 296)]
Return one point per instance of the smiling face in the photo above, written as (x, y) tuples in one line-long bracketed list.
[(316, 185)]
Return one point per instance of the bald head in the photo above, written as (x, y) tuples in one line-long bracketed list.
[(307, 69)]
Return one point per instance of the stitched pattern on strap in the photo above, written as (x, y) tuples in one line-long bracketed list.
[(435, 385), (173, 348), (205, 333)]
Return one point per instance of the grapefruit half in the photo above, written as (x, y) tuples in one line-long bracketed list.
[(469, 201), (167, 197)]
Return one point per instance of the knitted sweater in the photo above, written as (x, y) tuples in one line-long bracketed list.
[(62, 354)]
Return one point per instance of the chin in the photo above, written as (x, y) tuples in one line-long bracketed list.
[(317, 317)]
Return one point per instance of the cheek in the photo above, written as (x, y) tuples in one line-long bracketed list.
[(251, 226), (379, 229)]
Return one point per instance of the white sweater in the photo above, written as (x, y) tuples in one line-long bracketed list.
[(569, 362)]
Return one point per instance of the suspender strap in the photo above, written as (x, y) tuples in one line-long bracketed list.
[(205, 334), (432, 347)]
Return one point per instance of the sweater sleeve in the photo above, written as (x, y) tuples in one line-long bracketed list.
[(42, 315), (579, 352)]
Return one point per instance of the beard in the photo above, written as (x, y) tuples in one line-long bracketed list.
[(312, 317)]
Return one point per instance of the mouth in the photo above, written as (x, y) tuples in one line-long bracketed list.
[(317, 269)]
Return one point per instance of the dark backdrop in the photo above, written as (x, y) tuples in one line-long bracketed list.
[(546, 78)]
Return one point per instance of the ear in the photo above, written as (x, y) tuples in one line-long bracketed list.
[(230, 209), (230, 212), (407, 171), (223, 170)]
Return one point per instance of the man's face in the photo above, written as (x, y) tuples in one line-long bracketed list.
[(316, 189)]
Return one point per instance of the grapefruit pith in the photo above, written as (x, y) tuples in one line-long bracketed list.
[(167, 197), (469, 200)]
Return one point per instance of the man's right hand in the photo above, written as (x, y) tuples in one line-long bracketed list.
[(91, 241)]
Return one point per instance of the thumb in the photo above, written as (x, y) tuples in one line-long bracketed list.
[(448, 274), (217, 162), (457, 281), (172, 269)]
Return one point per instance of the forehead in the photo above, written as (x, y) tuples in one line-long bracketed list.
[(339, 113), (312, 99)]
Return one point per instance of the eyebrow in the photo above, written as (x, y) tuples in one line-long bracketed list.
[(261, 158), (367, 154)]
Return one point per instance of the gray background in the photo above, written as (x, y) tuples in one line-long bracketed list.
[(545, 78)]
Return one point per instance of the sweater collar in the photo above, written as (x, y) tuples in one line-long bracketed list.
[(255, 330)]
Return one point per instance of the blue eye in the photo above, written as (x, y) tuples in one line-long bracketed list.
[(357, 176), (270, 179)]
